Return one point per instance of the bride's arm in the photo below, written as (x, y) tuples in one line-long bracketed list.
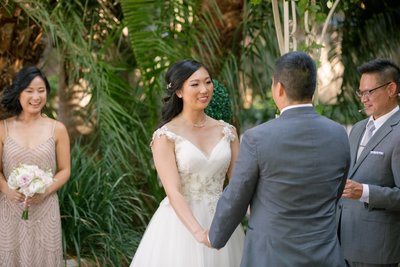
[(234, 154), (165, 162)]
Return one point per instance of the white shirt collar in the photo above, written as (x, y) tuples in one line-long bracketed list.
[(296, 106), (382, 119)]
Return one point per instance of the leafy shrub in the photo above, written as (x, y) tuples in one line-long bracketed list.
[(100, 209), (220, 107)]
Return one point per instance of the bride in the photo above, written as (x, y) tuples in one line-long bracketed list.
[(193, 155)]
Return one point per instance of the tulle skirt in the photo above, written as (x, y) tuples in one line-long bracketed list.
[(167, 242)]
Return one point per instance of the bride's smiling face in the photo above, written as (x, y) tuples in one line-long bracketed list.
[(197, 90)]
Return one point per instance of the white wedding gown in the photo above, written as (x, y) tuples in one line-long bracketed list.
[(167, 242)]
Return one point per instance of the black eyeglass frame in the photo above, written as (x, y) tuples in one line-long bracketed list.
[(369, 92)]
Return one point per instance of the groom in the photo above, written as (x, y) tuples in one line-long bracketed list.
[(291, 171)]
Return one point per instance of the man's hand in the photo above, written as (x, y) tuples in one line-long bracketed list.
[(352, 190), (207, 241)]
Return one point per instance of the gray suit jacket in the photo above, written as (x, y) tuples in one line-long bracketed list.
[(370, 233), (291, 171)]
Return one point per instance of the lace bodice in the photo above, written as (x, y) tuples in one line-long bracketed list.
[(202, 176)]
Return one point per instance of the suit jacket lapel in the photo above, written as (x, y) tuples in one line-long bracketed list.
[(382, 132)]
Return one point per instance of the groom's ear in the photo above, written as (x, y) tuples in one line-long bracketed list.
[(281, 89)]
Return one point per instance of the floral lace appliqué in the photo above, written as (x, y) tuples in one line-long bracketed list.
[(163, 131), (201, 188), (228, 131)]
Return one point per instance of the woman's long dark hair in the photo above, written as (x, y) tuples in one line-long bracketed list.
[(10, 99), (176, 75)]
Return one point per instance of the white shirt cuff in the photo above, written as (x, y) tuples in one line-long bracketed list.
[(365, 194)]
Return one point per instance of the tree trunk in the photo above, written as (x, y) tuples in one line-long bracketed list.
[(21, 44), (230, 33)]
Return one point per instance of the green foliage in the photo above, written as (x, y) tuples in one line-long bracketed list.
[(160, 34), (220, 107), (314, 46), (99, 208), (174, 31), (256, 64), (103, 207), (154, 31), (256, 2), (364, 23), (262, 110)]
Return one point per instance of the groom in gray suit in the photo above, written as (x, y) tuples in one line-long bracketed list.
[(370, 208), (291, 171)]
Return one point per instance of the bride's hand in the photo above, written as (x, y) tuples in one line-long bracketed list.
[(201, 236), (207, 241)]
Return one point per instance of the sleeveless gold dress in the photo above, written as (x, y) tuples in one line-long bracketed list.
[(35, 242)]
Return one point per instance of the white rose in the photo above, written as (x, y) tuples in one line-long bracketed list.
[(37, 186), (25, 191), (23, 179), (12, 181)]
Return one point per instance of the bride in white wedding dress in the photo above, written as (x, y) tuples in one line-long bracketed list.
[(193, 155)]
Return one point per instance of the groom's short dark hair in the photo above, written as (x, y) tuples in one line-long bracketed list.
[(298, 74)]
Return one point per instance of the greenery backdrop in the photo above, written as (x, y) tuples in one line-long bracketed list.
[(106, 59)]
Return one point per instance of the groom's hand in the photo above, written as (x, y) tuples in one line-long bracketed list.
[(207, 241)]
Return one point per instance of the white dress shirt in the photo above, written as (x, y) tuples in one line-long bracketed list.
[(296, 106)]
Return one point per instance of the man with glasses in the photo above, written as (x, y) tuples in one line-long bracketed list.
[(370, 205)]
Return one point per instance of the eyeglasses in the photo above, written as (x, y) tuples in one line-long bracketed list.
[(369, 92)]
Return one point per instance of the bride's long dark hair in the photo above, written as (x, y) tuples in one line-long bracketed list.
[(176, 75)]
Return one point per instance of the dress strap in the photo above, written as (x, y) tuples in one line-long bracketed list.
[(163, 131), (228, 131), (53, 129), (6, 127)]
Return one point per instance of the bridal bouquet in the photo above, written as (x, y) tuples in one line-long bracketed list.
[(29, 180)]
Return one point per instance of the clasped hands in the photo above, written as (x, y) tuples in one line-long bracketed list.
[(18, 197), (352, 190), (202, 237)]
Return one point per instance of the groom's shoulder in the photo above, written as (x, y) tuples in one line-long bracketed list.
[(262, 128), (331, 123)]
